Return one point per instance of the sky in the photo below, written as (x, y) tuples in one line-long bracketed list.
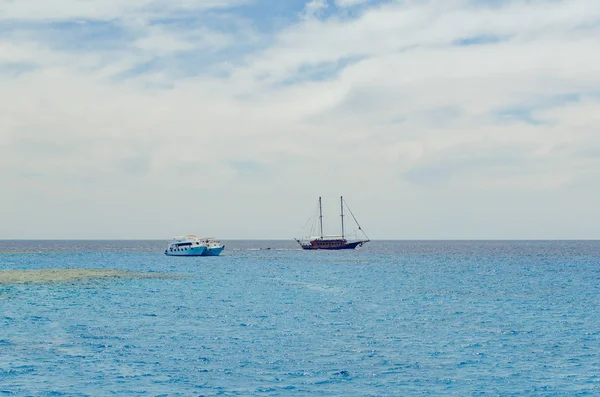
[(435, 119)]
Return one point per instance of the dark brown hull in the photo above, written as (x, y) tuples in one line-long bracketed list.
[(332, 245)]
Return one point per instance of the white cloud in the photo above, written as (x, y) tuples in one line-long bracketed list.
[(349, 3), (161, 41), (401, 120), (57, 10), (314, 7), (394, 28)]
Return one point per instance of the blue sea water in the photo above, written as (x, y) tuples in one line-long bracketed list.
[(395, 318)]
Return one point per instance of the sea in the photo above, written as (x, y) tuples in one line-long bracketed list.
[(394, 318)]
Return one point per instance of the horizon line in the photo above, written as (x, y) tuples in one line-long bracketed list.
[(292, 239)]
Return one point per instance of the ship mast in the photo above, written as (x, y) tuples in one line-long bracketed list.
[(342, 214), (321, 217)]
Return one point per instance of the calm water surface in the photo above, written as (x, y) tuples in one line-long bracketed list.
[(392, 319)]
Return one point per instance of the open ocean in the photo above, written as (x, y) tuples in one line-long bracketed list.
[(395, 318)]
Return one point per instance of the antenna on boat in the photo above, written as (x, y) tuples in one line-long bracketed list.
[(321, 216), (342, 213)]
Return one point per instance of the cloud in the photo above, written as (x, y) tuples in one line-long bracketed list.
[(394, 104), (349, 3), (314, 7), (60, 10)]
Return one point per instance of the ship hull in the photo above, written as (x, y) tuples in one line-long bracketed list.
[(213, 251), (331, 245), (192, 251)]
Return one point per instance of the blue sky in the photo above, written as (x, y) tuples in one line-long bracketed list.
[(435, 119)]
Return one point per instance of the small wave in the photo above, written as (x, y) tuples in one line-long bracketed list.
[(265, 249), (312, 286)]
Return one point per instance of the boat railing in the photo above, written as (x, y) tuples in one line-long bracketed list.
[(185, 237)]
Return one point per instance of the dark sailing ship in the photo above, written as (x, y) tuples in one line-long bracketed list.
[(336, 242)]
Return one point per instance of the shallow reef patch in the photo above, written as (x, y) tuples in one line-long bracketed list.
[(54, 275)]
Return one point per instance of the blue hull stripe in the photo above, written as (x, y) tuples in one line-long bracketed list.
[(213, 251)]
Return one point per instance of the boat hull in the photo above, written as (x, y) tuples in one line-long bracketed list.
[(213, 251), (331, 245), (192, 251)]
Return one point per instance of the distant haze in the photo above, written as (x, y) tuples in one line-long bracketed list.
[(438, 119)]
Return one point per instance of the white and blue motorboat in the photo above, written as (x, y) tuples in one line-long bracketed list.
[(190, 245), (213, 247)]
